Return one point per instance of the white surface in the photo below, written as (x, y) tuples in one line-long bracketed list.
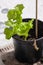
[(4, 42), (29, 10), (5, 45)]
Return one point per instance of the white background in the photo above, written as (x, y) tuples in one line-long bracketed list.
[(28, 12)]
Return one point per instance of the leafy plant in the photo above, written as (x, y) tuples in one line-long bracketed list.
[(15, 25)]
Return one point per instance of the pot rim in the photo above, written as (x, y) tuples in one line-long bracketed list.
[(27, 40)]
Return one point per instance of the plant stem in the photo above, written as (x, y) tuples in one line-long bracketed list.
[(25, 38)]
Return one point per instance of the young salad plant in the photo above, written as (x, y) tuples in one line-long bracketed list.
[(15, 25)]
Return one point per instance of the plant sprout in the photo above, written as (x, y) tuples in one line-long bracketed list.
[(15, 25)]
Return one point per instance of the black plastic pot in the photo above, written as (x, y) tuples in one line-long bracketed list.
[(24, 50)]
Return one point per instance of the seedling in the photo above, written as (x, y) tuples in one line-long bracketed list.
[(15, 25)]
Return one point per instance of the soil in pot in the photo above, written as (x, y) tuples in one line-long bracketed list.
[(24, 50)]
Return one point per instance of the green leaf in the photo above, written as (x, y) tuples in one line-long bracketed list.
[(24, 28), (8, 32), (19, 6), (10, 14), (10, 23), (30, 23)]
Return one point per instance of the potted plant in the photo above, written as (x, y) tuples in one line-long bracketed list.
[(28, 48)]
